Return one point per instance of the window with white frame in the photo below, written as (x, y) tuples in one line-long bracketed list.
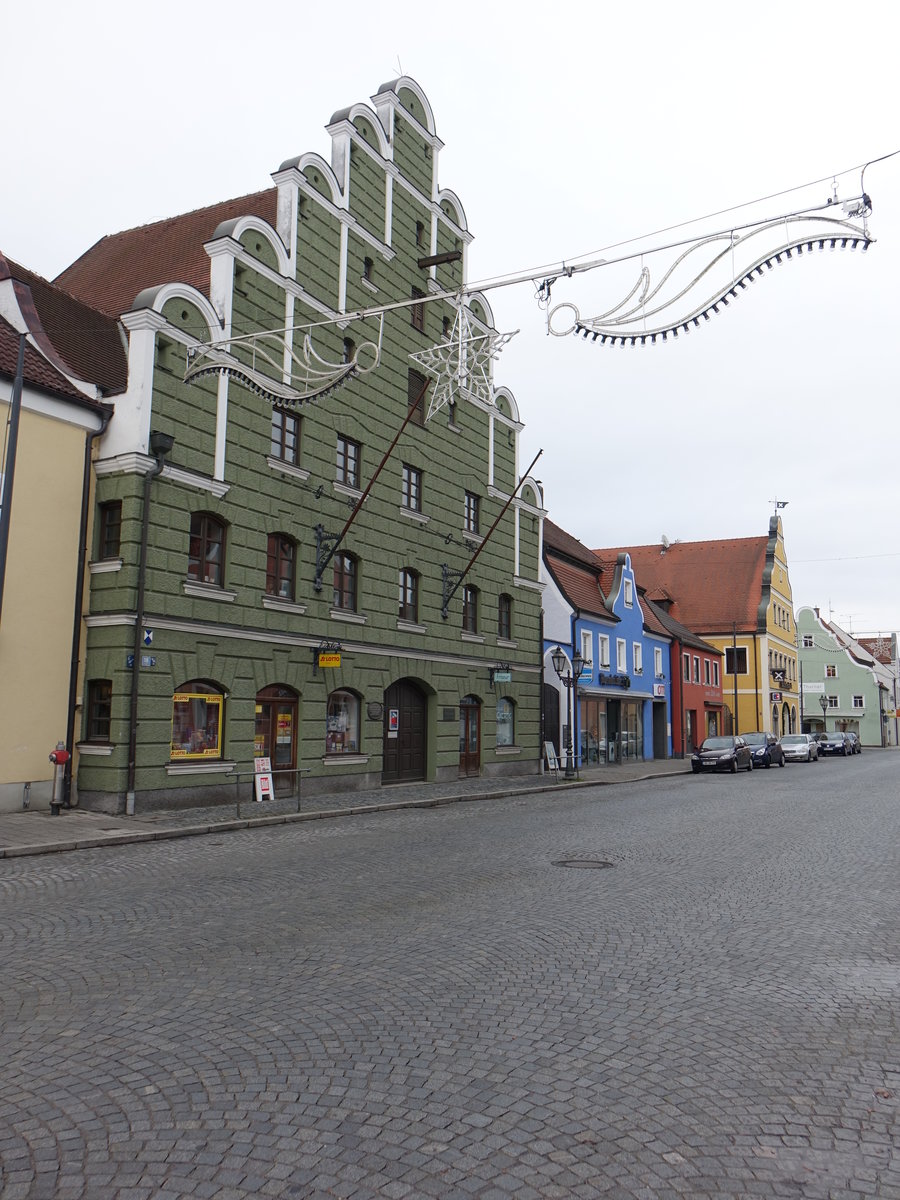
[(707, 672), (831, 670), (832, 701), (859, 702), (696, 668), (629, 593), (603, 648), (637, 651), (621, 656), (808, 641), (715, 667), (586, 649), (657, 662)]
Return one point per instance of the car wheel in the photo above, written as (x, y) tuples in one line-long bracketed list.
[(809, 757), (734, 766), (696, 770), (781, 764), (750, 763), (767, 761)]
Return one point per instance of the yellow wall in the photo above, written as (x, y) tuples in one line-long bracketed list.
[(38, 602)]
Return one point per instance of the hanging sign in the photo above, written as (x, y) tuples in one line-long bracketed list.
[(329, 658)]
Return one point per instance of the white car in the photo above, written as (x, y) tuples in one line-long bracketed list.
[(800, 747)]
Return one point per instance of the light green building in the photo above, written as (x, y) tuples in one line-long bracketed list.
[(844, 686), (385, 655)]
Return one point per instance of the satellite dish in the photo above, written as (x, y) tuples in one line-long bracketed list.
[(665, 542)]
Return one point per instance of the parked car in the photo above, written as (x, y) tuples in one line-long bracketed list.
[(836, 743), (800, 747), (765, 748), (855, 742), (722, 754)]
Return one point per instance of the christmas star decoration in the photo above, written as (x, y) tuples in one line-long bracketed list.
[(462, 364)]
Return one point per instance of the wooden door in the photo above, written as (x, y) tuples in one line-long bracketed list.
[(469, 736), (405, 743)]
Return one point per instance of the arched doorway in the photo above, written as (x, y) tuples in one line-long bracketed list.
[(551, 717), (275, 735), (470, 736), (405, 744)]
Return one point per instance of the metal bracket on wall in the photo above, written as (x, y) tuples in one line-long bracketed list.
[(326, 544), (450, 581)]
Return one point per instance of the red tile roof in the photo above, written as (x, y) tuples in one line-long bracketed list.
[(713, 584), (579, 586), (557, 539), (72, 338), (114, 271)]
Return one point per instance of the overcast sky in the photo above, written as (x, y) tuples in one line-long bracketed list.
[(568, 130)]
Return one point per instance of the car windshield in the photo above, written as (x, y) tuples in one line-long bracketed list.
[(718, 743), (794, 739), (755, 739)]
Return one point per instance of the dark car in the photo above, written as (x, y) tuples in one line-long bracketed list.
[(765, 748), (855, 742), (722, 754), (836, 743)]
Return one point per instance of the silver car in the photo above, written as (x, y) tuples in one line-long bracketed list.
[(800, 747)]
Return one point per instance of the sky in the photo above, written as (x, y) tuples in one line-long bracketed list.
[(590, 130)]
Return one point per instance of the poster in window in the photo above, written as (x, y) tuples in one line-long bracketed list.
[(196, 725)]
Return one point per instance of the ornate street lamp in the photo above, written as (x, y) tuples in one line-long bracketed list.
[(823, 700), (569, 678)]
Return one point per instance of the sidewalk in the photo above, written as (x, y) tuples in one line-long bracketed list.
[(38, 832)]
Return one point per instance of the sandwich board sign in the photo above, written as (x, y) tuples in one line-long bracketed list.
[(262, 780)]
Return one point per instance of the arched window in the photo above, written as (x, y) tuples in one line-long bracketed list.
[(409, 595), (342, 723), (281, 557), (206, 553), (345, 582), (197, 720), (506, 722)]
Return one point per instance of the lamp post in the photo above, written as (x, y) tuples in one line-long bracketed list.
[(823, 700), (569, 678)]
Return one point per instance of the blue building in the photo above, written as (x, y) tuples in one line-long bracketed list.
[(619, 705)]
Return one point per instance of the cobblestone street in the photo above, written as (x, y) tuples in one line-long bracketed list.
[(705, 1001)]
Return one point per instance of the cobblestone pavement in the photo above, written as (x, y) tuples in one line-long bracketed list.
[(425, 1003)]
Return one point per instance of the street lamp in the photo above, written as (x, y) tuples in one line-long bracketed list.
[(569, 679), (823, 700)]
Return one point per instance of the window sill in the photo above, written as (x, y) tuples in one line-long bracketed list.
[(534, 584), (344, 489), (105, 566), (286, 468), (411, 515), (472, 637), (505, 750), (470, 536), (344, 614), (277, 604), (368, 285), (411, 627), (208, 591), (216, 766), (507, 643), (99, 749), (335, 760)]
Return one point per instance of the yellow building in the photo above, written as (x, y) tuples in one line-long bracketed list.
[(50, 347), (736, 594)]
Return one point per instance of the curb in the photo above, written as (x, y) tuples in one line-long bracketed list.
[(163, 835)]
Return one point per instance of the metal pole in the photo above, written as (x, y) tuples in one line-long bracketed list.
[(15, 409)]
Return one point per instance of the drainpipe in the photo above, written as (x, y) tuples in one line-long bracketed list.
[(160, 445), (15, 409), (79, 601)]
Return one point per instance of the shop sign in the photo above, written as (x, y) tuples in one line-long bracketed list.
[(329, 658), (774, 695)]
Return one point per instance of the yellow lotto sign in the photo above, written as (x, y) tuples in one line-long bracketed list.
[(329, 658)]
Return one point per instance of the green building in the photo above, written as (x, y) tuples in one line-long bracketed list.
[(340, 563)]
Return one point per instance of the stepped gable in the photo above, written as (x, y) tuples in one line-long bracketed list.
[(117, 268), (713, 584)]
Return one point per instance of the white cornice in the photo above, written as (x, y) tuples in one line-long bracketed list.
[(143, 318)]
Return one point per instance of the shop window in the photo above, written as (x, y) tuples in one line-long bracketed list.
[(345, 582), (98, 711), (197, 714), (280, 564), (110, 529), (506, 722), (206, 555), (342, 724), (285, 437), (409, 595)]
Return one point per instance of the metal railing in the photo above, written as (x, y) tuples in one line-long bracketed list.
[(237, 776)]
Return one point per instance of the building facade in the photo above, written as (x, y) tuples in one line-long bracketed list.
[(845, 687), (310, 565)]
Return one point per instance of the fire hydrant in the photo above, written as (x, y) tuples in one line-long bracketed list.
[(59, 757)]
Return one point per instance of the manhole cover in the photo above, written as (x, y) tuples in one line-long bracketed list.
[(583, 864)]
